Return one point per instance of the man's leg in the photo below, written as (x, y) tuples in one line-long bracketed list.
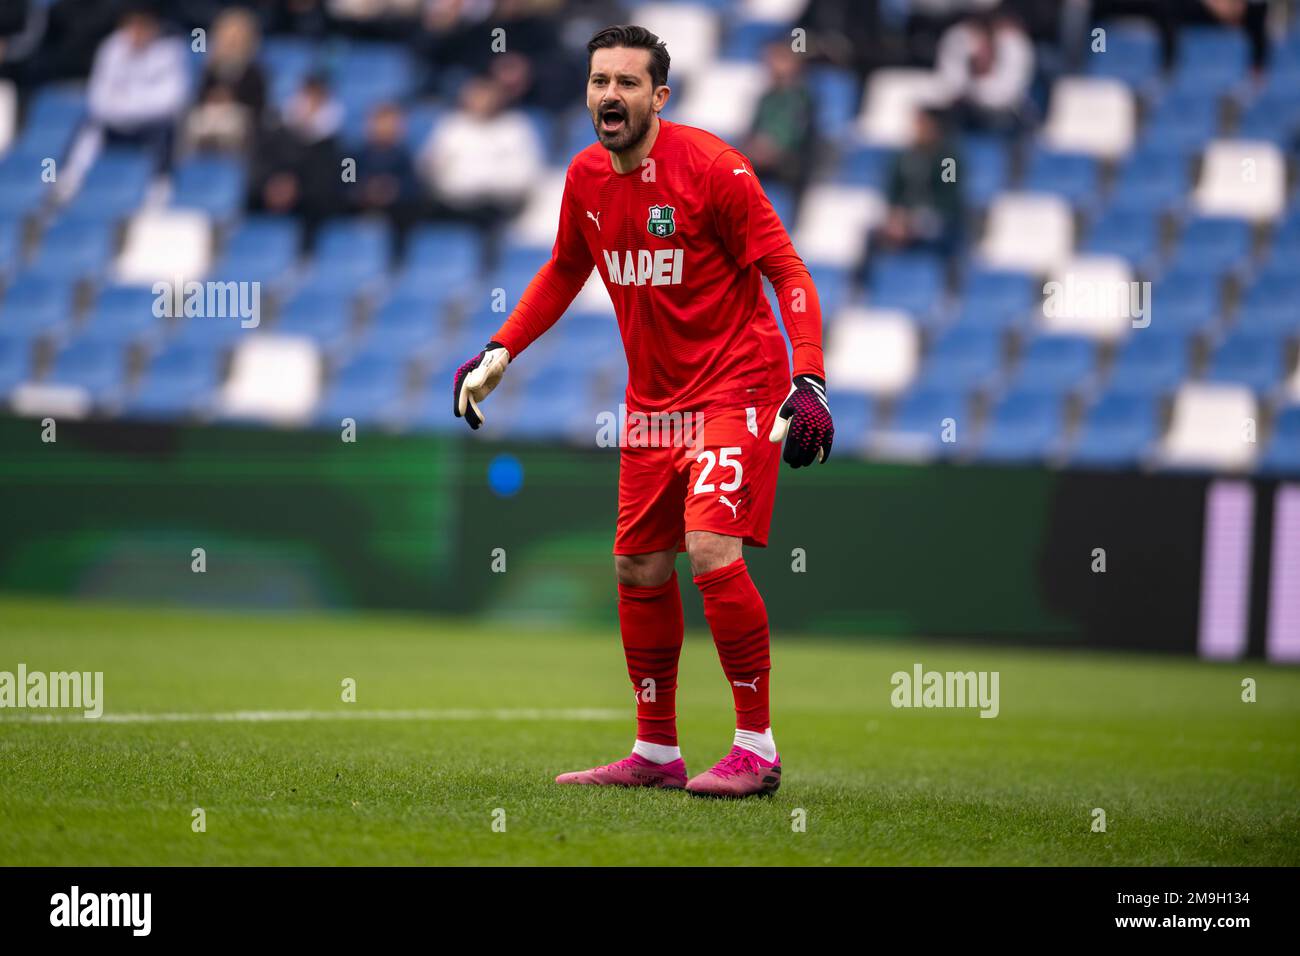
[(650, 621), (738, 619)]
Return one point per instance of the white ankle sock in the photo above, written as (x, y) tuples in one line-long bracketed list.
[(657, 753), (761, 744)]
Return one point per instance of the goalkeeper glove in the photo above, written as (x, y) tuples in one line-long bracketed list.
[(806, 415), (475, 381)]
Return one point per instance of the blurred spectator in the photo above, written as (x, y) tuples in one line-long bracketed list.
[(22, 30), (925, 205), (232, 92), (297, 166), (386, 172), (986, 63), (783, 138), (72, 32), (138, 87), (480, 161)]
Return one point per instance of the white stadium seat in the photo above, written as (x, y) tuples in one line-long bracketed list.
[(273, 378), (535, 224), (1029, 232), (1090, 295), (8, 113), (166, 244), (892, 99), (1211, 427), (872, 350), (726, 116), (690, 32), (833, 223), (1091, 115), (1241, 178), (774, 11)]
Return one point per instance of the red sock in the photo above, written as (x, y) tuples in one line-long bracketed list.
[(738, 619), (651, 623)]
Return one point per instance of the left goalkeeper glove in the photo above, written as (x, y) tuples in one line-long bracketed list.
[(475, 381), (806, 415)]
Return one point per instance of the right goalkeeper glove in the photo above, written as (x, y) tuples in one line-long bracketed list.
[(475, 381)]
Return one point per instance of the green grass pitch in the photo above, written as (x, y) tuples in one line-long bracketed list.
[(1186, 772)]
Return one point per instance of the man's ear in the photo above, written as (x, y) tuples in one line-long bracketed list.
[(661, 97)]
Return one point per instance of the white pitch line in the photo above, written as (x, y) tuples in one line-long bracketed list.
[(269, 716)]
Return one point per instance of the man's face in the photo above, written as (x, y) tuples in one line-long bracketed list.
[(621, 97)]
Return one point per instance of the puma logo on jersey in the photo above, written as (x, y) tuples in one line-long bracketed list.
[(643, 266), (751, 684), (594, 218), (737, 172), (723, 499)]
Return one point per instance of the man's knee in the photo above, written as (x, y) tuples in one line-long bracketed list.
[(644, 570), (709, 551)]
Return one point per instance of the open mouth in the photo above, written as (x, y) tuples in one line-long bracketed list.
[(612, 120)]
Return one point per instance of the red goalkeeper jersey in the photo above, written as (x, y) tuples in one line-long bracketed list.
[(676, 243)]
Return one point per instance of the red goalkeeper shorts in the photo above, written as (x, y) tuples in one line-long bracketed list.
[(718, 473)]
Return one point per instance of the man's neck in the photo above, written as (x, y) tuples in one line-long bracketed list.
[(629, 160)]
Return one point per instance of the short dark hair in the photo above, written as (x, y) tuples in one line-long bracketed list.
[(636, 38)]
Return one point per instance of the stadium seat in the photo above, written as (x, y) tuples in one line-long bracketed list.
[(833, 223), (351, 255), (864, 165), (320, 315), (998, 299), (1131, 55), (1182, 121), (727, 116), (1186, 301), (1272, 305), (855, 416), (1029, 232), (262, 249), (835, 95), (1154, 179), (1093, 296), (893, 97), (22, 191), (8, 113), (535, 225), (964, 357), (74, 249), (1093, 116), (1152, 362), (211, 184), (1055, 365), (97, 367), (1242, 178), (53, 116), (1282, 454), (927, 423), (1118, 430), (984, 166), (180, 381), (1209, 428), (1023, 426), (1212, 245), (1132, 234), (1072, 176), (441, 255), (873, 351), (1210, 60), (1248, 358), (272, 379), (691, 31), (912, 282), (165, 244), (115, 185), (124, 315), (15, 362), (369, 388), (36, 306)]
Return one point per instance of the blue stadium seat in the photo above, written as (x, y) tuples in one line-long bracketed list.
[(262, 249), (122, 315), (1132, 234), (321, 316), (984, 164), (115, 185), (15, 362), (1023, 426), (835, 93), (53, 116), (1132, 55), (1272, 304), (74, 249), (1055, 365), (1071, 176), (997, 299), (213, 184), (1213, 245), (179, 381), (442, 255), (22, 191), (855, 416), (1151, 362), (36, 305), (404, 327), (1211, 60), (1248, 358), (864, 166), (10, 247), (368, 388), (98, 367), (919, 420), (913, 282), (1273, 115), (1282, 456), (1186, 301), (745, 39), (964, 357), (1184, 120), (1117, 431), (1153, 179), (350, 255)]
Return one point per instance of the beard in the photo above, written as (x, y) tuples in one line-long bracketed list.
[(629, 134)]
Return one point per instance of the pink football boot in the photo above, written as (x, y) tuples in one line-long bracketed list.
[(631, 771), (741, 773)]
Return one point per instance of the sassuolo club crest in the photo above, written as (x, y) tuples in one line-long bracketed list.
[(661, 221)]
